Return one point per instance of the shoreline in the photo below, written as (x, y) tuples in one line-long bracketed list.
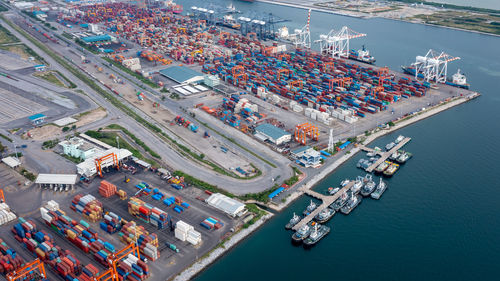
[(331, 11), (199, 266)]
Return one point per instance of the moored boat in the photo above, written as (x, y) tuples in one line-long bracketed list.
[(302, 233), (381, 167), (404, 157), (318, 232), (381, 187), (293, 221), (391, 170), (369, 185), (352, 203), (312, 206), (332, 190), (325, 215)]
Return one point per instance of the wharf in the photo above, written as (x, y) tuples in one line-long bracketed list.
[(384, 155), (327, 201)]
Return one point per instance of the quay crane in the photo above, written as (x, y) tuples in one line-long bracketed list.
[(433, 66), (302, 37), (336, 43)]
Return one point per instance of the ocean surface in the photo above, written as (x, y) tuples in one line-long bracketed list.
[(439, 218)]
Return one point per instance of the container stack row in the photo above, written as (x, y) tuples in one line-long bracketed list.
[(148, 213), (186, 232), (5, 214), (211, 223), (9, 259), (112, 223), (107, 189), (88, 206), (147, 243)]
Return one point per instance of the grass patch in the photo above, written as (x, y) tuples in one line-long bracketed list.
[(86, 47), (27, 174), (23, 51), (136, 139), (259, 213), (50, 144), (6, 37), (51, 77), (70, 83), (201, 184), (5, 137), (71, 158), (133, 73)]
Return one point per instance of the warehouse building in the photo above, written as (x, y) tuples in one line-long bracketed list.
[(56, 181), (12, 162), (37, 119), (78, 148), (97, 39), (182, 74), (88, 167), (272, 133), (227, 205)]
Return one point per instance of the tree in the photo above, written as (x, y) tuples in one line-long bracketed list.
[(65, 129)]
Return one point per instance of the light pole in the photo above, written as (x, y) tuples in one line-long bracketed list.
[(118, 143)]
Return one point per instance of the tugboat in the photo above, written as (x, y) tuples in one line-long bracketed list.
[(369, 186), (395, 155), (458, 80), (325, 215), (404, 157), (399, 139), (356, 188), (362, 55), (381, 168), (332, 190), (318, 232), (312, 206), (389, 146), (340, 202), (302, 233), (363, 164), (391, 170), (381, 187), (293, 221), (352, 203)]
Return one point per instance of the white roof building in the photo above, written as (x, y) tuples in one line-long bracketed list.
[(227, 205), (88, 168), (56, 179), (11, 161)]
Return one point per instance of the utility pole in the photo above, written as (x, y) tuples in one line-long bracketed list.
[(118, 143)]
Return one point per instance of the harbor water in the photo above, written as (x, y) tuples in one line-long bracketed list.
[(438, 220)]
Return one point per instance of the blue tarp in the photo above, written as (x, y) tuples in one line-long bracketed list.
[(325, 153), (276, 192), (344, 145)]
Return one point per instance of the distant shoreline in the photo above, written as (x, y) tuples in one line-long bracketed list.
[(361, 16)]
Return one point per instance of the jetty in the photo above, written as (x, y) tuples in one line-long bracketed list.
[(384, 155), (327, 201)]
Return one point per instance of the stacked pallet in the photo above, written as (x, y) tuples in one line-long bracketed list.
[(147, 243), (64, 262), (5, 214), (88, 206), (9, 259), (112, 223), (148, 213), (186, 232), (107, 189)]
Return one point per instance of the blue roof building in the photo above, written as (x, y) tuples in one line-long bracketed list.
[(97, 38), (37, 119), (182, 74), (272, 134)]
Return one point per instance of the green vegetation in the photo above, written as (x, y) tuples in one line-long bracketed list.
[(50, 144), (27, 174), (201, 184), (464, 20), (136, 140), (2, 148), (6, 37), (18, 154), (258, 214), (23, 51), (390, 123), (353, 140), (451, 6), (3, 8), (67, 35), (86, 47), (133, 73), (70, 83), (262, 196), (5, 137), (71, 158), (51, 77)]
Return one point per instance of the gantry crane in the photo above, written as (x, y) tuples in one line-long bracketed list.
[(29, 268), (339, 81), (336, 43), (112, 273), (104, 160), (433, 66), (2, 198), (302, 37), (306, 130)]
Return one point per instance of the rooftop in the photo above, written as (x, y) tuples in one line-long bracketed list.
[(300, 149), (56, 179), (180, 74), (271, 131), (36, 117), (11, 161), (226, 204), (96, 38)]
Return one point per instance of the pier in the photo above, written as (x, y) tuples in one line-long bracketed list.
[(384, 155), (327, 201)]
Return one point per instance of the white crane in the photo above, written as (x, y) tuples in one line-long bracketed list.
[(336, 43), (433, 66), (302, 37)]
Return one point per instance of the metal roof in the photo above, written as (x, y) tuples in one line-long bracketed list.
[(96, 38), (56, 179), (300, 149), (11, 161), (181, 74), (226, 204), (36, 117), (271, 131)]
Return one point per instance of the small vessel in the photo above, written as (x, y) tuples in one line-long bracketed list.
[(399, 139), (381, 187), (356, 188), (340, 202), (363, 164), (395, 155), (229, 21), (389, 146), (318, 232), (393, 167), (404, 157), (332, 190), (345, 182), (381, 168), (362, 55), (352, 203), (302, 233), (312, 206), (293, 221), (369, 185), (458, 80), (371, 154), (325, 215)]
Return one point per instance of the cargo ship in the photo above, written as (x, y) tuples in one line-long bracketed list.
[(362, 55), (391, 170), (457, 80), (318, 232)]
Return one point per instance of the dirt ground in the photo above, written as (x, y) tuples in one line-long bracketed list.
[(91, 117), (44, 133)]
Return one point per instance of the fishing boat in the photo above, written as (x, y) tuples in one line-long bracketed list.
[(381, 167), (358, 184), (404, 157)]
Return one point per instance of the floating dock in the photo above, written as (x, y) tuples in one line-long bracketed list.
[(383, 155), (327, 201)]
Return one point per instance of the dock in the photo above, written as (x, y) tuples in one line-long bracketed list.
[(327, 201), (384, 155)]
